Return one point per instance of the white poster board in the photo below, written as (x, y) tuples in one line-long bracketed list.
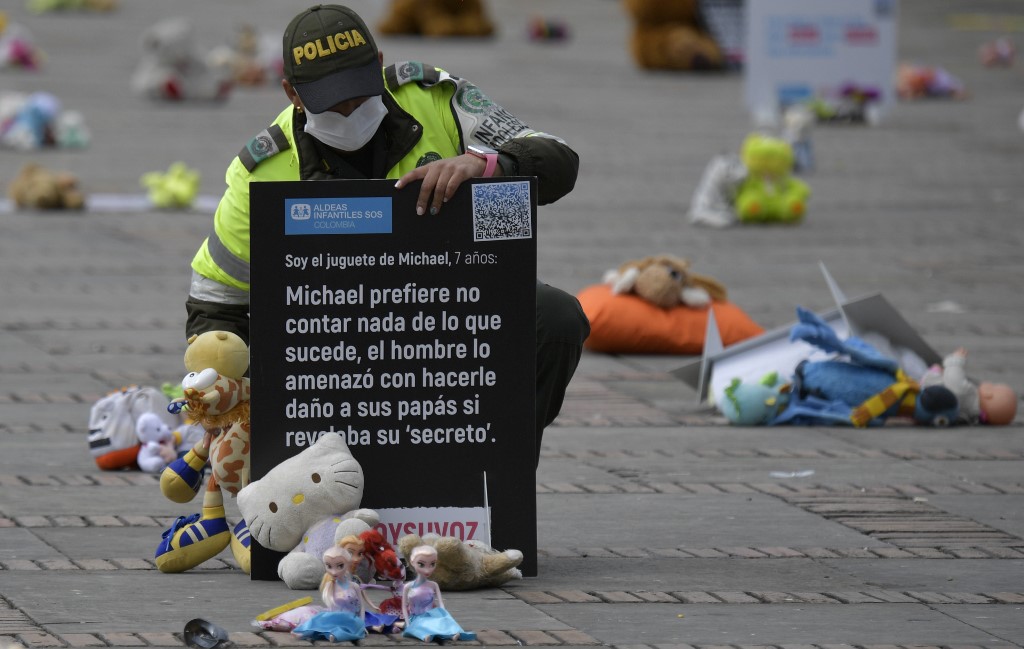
[(802, 49)]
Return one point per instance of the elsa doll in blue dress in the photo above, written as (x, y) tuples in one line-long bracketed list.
[(343, 619), (422, 606)]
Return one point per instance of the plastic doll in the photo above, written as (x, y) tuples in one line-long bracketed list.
[(987, 403), (343, 618), (374, 620), (422, 606)]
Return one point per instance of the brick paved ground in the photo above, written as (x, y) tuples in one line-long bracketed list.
[(658, 524)]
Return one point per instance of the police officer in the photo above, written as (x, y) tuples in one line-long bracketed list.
[(351, 118)]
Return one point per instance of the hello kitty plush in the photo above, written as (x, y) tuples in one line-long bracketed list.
[(304, 505)]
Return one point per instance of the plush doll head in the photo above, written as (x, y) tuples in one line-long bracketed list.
[(322, 480), (753, 404), (382, 556), (767, 156), (465, 565), (224, 352), (998, 403), (150, 428), (666, 281)]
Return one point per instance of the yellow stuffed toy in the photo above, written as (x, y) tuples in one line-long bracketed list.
[(770, 192), (216, 396), (671, 35), (436, 18)]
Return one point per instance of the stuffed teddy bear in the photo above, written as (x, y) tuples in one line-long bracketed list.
[(161, 444), (465, 565), (984, 402), (666, 281), (216, 396), (304, 505), (169, 70), (672, 35), (436, 18), (36, 187), (174, 189), (769, 192)]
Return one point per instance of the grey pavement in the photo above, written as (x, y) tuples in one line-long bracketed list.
[(658, 525)]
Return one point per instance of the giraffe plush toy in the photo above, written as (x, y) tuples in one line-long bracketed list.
[(216, 395)]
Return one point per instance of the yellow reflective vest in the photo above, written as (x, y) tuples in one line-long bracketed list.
[(421, 127)]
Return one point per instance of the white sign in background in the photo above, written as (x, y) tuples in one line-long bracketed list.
[(812, 48)]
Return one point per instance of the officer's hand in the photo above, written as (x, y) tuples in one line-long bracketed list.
[(440, 180)]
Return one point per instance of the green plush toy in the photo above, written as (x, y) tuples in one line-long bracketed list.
[(174, 189), (754, 404), (770, 192)]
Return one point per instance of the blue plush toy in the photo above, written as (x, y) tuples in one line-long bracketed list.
[(864, 391), (859, 387)]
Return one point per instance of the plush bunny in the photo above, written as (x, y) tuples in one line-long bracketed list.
[(665, 281), (465, 565)]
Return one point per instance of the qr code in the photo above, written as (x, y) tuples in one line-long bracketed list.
[(501, 211)]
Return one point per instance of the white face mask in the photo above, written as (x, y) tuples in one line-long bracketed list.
[(347, 133)]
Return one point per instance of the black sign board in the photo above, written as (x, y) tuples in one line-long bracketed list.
[(411, 336)]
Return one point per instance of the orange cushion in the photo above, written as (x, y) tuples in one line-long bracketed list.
[(627, 324)]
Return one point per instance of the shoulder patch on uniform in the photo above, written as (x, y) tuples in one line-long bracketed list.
[(267, 143), (399, 74)]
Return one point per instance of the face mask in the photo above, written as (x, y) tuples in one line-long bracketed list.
[(347, 133)]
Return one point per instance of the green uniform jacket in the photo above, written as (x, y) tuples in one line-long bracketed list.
[(431, 115)]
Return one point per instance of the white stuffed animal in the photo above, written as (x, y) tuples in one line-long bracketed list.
[(160, 444), (169, 69), (157, 450), (305, 504)]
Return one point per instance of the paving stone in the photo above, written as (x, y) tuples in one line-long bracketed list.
[(131, 563), (734, 597), (574, 637), (162, 639), (574, 596), (852, 597), (815, 598), (82, 640), (746, 553), (775, 597), (618, 597), (1007, 598), (696, 597), (35, 639), (780, 552), (537, 597), (123, 639), (490, 637), (281, 639), (533, 637), (654, 596), (248, 639), (19, 564), (930, 598), (56, 564)]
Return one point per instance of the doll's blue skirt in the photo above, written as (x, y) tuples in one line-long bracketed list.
[(436, 624), (336, 626)]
